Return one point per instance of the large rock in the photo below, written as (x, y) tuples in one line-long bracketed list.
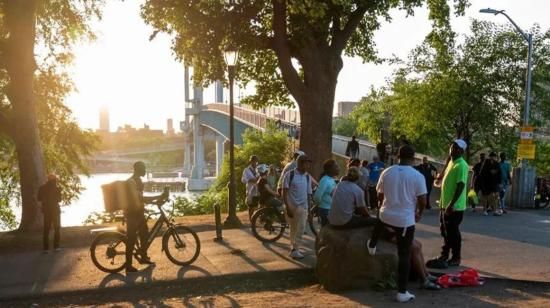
[(343, 261)]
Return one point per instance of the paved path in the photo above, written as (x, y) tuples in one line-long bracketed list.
[(514, 246)]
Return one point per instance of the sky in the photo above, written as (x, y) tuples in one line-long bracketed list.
[(141, 82)]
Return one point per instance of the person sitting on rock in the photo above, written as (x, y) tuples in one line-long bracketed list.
[(348, 209)]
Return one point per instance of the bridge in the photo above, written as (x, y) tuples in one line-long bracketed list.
[(215, 117)]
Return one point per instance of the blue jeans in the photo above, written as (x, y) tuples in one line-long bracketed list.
[(502, 195), (323, 214)]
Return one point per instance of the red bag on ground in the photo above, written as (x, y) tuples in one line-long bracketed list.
[(465, 278)]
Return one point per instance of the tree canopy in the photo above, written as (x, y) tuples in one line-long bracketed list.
[(477, 94), (52, 29)]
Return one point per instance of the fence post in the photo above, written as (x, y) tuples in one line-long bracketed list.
[(218, 218)]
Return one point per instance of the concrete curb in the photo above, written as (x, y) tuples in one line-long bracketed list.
[(306, 275)]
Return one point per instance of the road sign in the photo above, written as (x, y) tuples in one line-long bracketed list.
[(526, 151), (527, 133)]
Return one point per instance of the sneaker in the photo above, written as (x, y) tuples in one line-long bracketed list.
[(372, 250), (430, 285), (58, 249), (295, 254), (404, 297), (504, 211), (485, 213), (453, 262), (497, 214), (131, 269)]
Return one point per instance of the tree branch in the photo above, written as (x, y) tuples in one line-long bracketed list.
[(282, 49), (341, 37)]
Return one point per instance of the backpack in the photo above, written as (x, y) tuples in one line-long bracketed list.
[(116, 196), (291, 177), (465, 278)]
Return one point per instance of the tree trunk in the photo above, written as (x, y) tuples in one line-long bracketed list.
[(20, 64), (316, 130)]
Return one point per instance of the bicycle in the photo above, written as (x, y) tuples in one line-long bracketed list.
[(180, 243), (314, 220), (269, 223)]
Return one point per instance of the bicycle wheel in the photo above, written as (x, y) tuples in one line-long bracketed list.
[(267, 225), (314, 220), (181, 245), (108, 251)]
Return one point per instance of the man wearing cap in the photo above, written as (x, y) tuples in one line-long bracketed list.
[(250, 178), (296, 195), (453, 203), (49, 195), (348, 209), (289, 166)]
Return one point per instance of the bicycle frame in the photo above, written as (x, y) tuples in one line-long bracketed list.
[(156, 227)]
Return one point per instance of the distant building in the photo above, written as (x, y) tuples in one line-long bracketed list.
[(170, 128), (344, 108), (104, 125)]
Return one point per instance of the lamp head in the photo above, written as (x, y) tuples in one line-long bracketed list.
[(491, 11), (231, 55)]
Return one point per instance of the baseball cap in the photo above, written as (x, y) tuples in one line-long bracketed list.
[(299, 152), (461, 144)]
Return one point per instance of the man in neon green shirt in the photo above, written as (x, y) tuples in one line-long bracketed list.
[(453, 202)]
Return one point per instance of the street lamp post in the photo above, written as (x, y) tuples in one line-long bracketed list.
[(525, 187), (232, 221)]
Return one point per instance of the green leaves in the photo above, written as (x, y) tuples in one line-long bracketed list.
[(477, 93)]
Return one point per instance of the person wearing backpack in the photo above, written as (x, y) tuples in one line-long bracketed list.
[(135, 216), (289, 166), (250, 179), (297, 193)]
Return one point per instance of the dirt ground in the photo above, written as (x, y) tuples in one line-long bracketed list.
[(292, 289)]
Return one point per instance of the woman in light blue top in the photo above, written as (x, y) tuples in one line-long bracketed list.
[(323, 194)]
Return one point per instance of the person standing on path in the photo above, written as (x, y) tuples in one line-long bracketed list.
[(289, 166), (375, 168), (506, 180), (453, 203), (323, 194), (250, 179), (429, 172), (490, 185), (476, 181), (296, 195), (402, 192), (49, 195), (352, 150), (135, 216)]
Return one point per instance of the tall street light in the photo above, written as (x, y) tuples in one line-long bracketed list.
[(525, 187), (231, 55)]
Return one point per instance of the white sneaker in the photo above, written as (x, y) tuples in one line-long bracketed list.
[(485, 213), (372, 251), (404, 297), (295, 254)]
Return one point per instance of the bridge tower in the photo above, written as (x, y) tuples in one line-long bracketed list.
[(192, 108)]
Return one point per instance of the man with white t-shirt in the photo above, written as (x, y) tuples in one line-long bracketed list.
[(402, 193)]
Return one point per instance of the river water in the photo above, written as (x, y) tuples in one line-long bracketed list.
[(91, 199)]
